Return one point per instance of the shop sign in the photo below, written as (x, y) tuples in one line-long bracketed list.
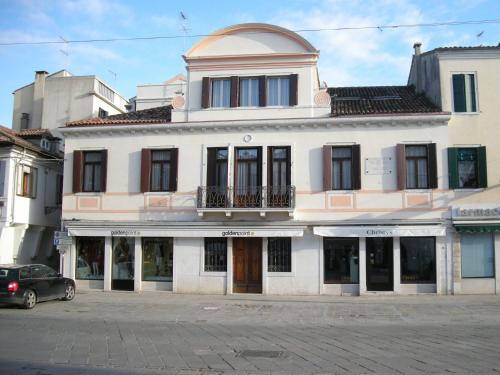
[(479, 212), (238, 233), (125, 233), (381, 231)]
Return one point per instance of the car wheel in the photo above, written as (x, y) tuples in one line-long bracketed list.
[(69, 293), (29, 299)]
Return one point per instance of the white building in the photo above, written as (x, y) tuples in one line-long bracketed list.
[(258, 180), (157, 95), (30, 196), (54, 99), (465, 82)]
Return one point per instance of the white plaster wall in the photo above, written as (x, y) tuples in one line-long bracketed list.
[(304, 278), (189, 276), (23, 103)]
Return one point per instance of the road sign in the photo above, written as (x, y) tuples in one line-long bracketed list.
[(63, 241)]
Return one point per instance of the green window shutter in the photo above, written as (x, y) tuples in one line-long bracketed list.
[(459, 104), (453, 168), (472, 93), (482, 169)]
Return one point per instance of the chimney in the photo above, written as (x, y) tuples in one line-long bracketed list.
[(416, 47), (38, 94)]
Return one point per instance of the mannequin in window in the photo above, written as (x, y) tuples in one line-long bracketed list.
[(122, 259)]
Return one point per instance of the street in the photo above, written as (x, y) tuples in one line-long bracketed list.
[(155, 332)]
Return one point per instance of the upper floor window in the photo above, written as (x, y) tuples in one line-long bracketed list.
[(342, 167), (159, 170), (27, 181), (89, 171), (467, 167), (221, 92), (417, 166), (3, 164), (102, 113), (92, 169), (106, 92), (278, 91), (249, 92), (464, 93)]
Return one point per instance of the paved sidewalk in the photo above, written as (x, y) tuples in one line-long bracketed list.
[(129, 333)]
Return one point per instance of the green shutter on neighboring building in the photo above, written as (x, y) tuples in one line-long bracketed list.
[(482, 174), (459, 104), (453, 168)]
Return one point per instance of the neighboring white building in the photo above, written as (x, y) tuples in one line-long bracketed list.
[(54, 99), (157, 95), (465, 81), (30, 196), (259, 180)]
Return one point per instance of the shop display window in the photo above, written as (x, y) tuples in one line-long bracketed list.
[(478, 259), (341, 260), (123, 258), (157, 259), (90, 258), (418, 260)]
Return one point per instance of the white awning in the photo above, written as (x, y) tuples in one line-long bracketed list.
[(381, 231), (188, 232)]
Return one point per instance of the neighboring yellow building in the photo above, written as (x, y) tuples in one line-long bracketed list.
[(465, 82)]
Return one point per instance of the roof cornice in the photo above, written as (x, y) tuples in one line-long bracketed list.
[(285, 124)]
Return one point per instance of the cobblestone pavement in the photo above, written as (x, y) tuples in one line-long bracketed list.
[(128, 333)]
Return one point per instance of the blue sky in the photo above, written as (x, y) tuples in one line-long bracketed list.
[(348, 58)]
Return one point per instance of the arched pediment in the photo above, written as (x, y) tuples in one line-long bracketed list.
[(250, 39)]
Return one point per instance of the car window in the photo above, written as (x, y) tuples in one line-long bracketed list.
[(41, 271), (24, 273), (50, 272), (4, 273)]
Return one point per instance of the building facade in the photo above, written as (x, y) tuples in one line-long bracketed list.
[(30, 196), (260, 180), (465, 81), (157, 95)]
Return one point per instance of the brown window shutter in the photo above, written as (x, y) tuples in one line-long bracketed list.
[(205, 92), (77, 171), (270, 166), (262, 91), (145, 170), (234, 91), (327, 167), (293, 89), (356, 167), (174, 158), (432, 166), (104, 169), (288, 166), (211, 161), (401, 166)]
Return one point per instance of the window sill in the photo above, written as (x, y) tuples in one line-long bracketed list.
[(469, 190), (89, 194), (341, 191), (159, 192), (281, 274), (465, 113), (417, 190), (213, 274)]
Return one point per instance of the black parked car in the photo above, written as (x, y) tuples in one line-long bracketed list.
[(26, 285)]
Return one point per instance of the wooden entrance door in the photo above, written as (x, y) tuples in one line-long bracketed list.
[(247, 265)]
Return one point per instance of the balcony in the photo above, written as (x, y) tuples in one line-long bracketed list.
[(260, 199)]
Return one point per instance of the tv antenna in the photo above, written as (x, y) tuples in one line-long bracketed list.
[(184, 25), (65, 52), (113, 74)]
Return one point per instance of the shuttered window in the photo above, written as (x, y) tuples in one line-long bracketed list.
[(249, 92), (89, 171), (464, 93), (417, 166), (159, 170), (467, 167), (221, 93), (341, 167), (215, 255), (27, 181)]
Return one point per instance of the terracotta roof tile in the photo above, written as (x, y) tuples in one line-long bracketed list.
[(379, 100), (157, 115), (34, 132), (10, 137)]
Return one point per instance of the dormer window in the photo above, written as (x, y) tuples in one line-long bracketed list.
[(221, 92)]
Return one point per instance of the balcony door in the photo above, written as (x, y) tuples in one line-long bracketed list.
[(278, 177), (248, 177), (216, 191)]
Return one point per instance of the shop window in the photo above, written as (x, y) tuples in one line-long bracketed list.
[(279, 254), (417, 166), (90, 258), (215, 254), (418, 260), (89, 171), (159, 170), (27, 181), (464, 93), (341, 167), (157, 259), (249, 92), (478, 258), (467, 167), (341, 260)]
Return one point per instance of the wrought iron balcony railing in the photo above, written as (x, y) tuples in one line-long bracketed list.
[(264, 197)]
